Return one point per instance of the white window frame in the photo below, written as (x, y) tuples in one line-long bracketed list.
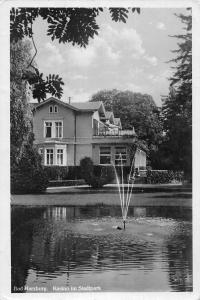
[(59, 130), (55, 109), (64, 148), (46, 164), (53, 129), (45, 126), (124, 160), (105, 155), (51, 109), (58, 157)]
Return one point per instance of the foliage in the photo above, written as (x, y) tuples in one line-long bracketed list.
[(63, 172), (67, 25), (177, 106), (28, 176), (41, 87), (164, 176), (26, 172), (20, 112), (54, 183), (135, 110), (96, 176)]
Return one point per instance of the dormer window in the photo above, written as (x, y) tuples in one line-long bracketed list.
[(53, 109)]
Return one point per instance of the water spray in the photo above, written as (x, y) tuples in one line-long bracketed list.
[(125, 199)]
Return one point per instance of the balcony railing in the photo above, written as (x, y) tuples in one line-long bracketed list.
[(114, 132)]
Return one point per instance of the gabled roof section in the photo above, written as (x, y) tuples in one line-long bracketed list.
[(82, 106), (90, 106), (110, 116), (55, 100)]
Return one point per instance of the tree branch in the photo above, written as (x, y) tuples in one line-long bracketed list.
[(30, 64)]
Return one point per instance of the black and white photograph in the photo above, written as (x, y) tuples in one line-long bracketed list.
[(101, 148)]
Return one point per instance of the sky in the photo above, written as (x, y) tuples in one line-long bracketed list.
[(131, 56)]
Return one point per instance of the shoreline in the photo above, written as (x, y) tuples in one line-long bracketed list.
[(154, 195)]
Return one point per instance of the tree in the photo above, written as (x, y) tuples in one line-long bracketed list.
[(177, 106), (20, 111), (135, 110), (27, 174), (67, 25)]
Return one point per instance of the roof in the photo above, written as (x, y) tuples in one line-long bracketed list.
[(108, 114), (55, 100), (87, 105), (82, 106)]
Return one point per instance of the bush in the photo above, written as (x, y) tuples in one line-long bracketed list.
[(96, 176), (164, 176), (28, 175), (63, 172), (54, 183)]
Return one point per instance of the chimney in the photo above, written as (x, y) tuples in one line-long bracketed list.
[(69, 98)]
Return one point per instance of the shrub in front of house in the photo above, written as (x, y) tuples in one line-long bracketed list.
[(61, 173), (164, 176), (96, 176), (28, 176), (55, 183)]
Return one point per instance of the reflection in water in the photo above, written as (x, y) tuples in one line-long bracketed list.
[(66, 246)]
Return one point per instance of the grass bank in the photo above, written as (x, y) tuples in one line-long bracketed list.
[(148, 195)]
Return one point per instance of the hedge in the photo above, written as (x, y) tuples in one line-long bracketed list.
[(54, 183), (96, 176), (63, 172), (164, 176)]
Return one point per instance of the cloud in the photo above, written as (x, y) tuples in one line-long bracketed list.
[(55, 56), (82, 57), (132, 39), (160, 26), (78, 77), (128, 43), (77, 95), (124, 39), (151, 59), (161, 76), (105, 49)]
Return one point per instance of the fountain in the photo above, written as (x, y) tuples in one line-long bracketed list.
[(125, 197)]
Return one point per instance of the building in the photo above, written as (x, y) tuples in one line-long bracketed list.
[(65, 133)]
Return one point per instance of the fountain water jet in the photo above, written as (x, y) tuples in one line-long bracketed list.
[(125, 199)]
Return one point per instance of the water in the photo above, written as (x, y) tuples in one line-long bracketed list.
[(78, 248)]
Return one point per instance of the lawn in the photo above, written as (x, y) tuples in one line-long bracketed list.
[(143, 196)]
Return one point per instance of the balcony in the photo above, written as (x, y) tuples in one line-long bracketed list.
[(115, 132)]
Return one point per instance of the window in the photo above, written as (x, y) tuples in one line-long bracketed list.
[(60, 157), (48, 129), (58, 127), (105, 155), (120, 156), (55, 108), (53, 129), (50, 109), (49, 157)]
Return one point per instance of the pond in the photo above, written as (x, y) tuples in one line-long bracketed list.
[(79, 248)]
